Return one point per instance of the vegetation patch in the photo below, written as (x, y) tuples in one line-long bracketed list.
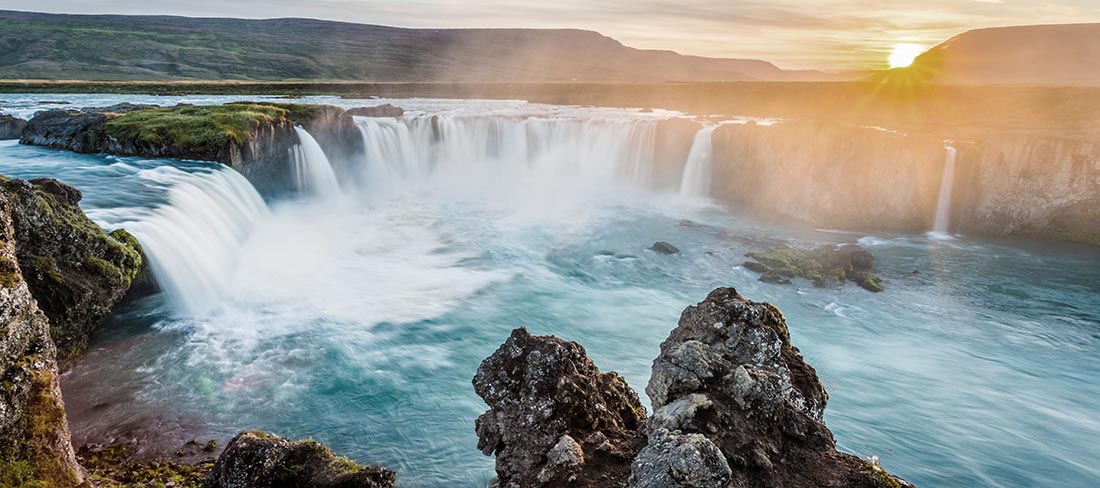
[(205, 130), (113, 466)]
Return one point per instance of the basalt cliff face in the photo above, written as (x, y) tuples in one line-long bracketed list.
[(252, 137), (863, 178), (735, 405)]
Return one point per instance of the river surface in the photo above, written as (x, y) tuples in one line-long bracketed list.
[(358, 316)]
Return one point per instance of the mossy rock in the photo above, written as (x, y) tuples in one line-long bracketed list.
[(205, 131), (822, 266)]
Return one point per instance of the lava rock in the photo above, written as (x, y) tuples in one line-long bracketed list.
[(256, 459), (11, 127), (729, 373), (75, 271), (554, 419), (679, 460), (384, 110), (663, 247), (822, 265)]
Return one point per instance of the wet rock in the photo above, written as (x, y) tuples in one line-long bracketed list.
[(662, 247), (823, 265), (554, 418), (75, 271), (256, 459), (11, 127), (384, 110), (729, 373)]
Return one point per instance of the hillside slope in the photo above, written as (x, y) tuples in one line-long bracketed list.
[(1033, 54), (116, 47)]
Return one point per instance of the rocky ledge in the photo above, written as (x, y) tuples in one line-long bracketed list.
[(251, 137), (735, 405)]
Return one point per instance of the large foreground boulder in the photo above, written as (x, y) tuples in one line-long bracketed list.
[(256, 459), (554, 419), (735, 405), (34, 438), (75, 271)]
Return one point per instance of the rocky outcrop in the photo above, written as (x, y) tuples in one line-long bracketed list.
[(728, 372), (256, 459), (252, 137), (75, 271), (11, 127), (554, 419), (34, 438), (822, 266), (384, 110), (735, 405)]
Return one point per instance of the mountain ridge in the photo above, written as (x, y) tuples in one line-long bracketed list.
[(161, 47)]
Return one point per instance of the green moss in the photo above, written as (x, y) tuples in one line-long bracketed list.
[(9, 273), (790, 263), (112, 467), (46, 267), (296, 112), (869, 282), (33, 461), (204, 130), (105, 269), (879, 478)]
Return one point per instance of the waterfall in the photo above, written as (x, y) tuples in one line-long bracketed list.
[(193, 241), (947, 183), (699, 165), (507, 151), (313, 173)]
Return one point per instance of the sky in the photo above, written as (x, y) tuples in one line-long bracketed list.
[(820, 34)]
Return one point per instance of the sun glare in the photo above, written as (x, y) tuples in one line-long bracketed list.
[(903, 55)]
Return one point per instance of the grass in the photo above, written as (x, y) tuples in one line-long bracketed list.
[(204, 129)]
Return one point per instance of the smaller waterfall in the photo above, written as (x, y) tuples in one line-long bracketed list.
[(947, 183), (698, 168), (193, 241), (313, 173)]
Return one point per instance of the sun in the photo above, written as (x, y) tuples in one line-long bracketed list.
[(904, 54)]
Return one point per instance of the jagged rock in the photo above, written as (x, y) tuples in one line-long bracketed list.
[(729, 373), (384, 110), (663, 247), (34, 437), (679, 460), (11, 127), (256, 459), (75, 271), (554, 418)]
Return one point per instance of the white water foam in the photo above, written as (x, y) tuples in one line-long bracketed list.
[(193, 242)]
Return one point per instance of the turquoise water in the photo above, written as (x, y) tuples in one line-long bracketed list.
[(360, 321)]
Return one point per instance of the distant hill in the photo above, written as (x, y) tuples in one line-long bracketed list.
[(1033, 54), (119, 47)]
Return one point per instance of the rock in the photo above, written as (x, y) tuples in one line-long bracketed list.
[(554, 419), (662, 247), (11, 127), (384, 110), (679, 460), (251, 137), (35, 449), (256, 459), (752, 395), (825, 264), (75, 271)]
